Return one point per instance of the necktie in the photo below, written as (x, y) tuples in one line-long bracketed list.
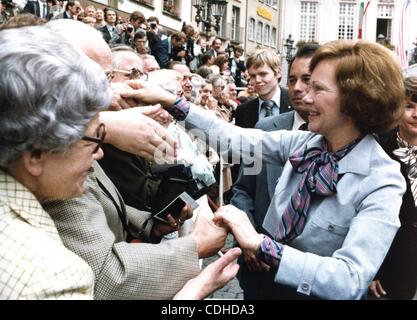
[(267, 105), (320, 175), (407, 154), (44, 11), (303, 127)]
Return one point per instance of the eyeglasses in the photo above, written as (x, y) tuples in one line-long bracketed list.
[(101, 134), (109, 75), (133, 74)]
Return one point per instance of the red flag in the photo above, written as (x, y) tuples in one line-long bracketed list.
[(362, 11)]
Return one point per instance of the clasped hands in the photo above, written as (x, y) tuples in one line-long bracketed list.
[(245, 234)]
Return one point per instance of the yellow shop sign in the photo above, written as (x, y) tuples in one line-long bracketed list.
[(264, 13)]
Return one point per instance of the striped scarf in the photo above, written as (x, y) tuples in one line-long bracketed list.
[(407, 154), (320, 175)]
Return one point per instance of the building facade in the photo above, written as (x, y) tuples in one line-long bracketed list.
[(391, 22), (262, 25), (171, 13), (231, 23)]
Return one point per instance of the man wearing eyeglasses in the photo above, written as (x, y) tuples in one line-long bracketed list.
[(130, 173), (186, 84)]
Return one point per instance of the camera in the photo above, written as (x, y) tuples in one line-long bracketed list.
[(129, 28), (175, 179), (153, 25)]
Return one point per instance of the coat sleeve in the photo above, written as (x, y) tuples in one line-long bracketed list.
[(89, 226), (347, 273), (251, 144)]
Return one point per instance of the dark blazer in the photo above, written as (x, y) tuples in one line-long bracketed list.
[(33, 8), (160, 52), (240, 67), (398, 273), (132, 176), (63, 15), (252, 194), (247, 114), (162, 55), (105, 32)]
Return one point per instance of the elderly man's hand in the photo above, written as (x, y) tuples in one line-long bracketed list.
[(160, 228), (210, 237), (147, 93), (131, 131), (241, 227), (211, 278), (119, 103), (157, 113)]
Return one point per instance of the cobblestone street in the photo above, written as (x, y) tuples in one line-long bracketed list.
[(232, 290)]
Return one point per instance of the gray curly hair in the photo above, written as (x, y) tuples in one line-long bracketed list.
[(49, 91)]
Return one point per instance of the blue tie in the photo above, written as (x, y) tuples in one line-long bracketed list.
[(267, 105)]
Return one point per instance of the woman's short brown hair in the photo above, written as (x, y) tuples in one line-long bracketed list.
[(370, 82)]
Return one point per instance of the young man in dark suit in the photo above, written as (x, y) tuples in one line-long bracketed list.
[(264, 68)]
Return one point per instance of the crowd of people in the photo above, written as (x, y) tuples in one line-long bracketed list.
[(104, 122)]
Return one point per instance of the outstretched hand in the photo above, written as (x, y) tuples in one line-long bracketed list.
[(146, 93), (211, 278), (131, 131)]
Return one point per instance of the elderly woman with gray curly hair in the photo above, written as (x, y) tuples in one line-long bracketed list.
[(49, 137)]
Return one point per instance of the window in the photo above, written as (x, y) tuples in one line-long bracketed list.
[(384, 19), (274, 37), (308, 21), (385, 10), (275, 4), (235, 23), (266, 35), (252, 29), (145, 2), (346, 20), (259, 31), (172, 7)]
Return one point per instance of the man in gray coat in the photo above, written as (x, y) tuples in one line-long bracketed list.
[(252, 193)]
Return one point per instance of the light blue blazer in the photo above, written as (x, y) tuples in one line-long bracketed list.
[(347, 235)]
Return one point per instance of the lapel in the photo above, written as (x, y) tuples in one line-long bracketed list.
[(282, 122), (284, 102), (105, 183), (37, 9), (358, 160), (252, 116)]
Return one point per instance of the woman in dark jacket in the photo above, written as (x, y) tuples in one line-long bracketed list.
[(397, 277)]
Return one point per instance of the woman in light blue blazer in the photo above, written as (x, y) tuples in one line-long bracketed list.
[(335, 209)]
